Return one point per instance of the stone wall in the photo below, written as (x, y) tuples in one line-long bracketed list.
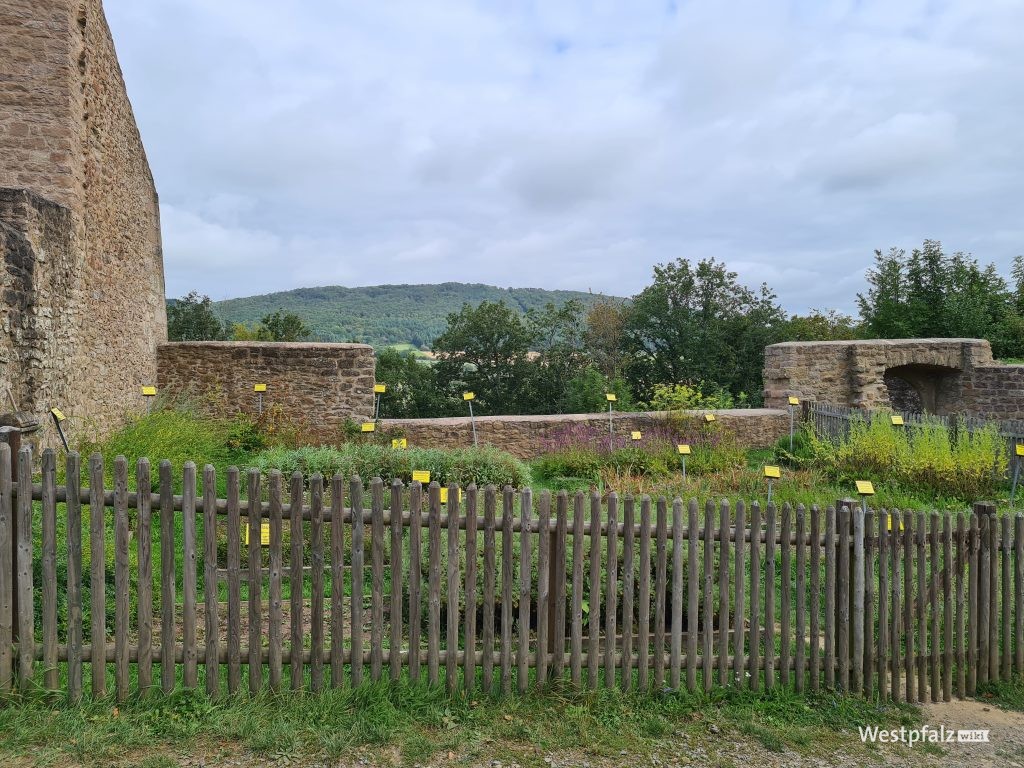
[(940, 376), (316, 386), (96, 298), (36, 275), (525, 436)]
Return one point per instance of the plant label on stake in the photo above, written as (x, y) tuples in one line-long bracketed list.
[(367, 426), (636, 435), (58, 417), (378, 390), (400, 443), (1018, 455), (421, 476), (896, 419), (469, 397), (793, 403), (259, 389), (149, 392), (709, 418), (611, 398), (684, 451), (445, 496), (865, 488), (264, 534), (771, 473)]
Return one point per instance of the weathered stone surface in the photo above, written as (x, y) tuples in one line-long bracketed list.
[(80, 257), (525, 436), (317, 386), (936, 375)]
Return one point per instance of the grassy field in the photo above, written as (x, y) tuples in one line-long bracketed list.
[(399, 724)]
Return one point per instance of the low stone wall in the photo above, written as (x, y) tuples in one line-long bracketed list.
[(525, 436), (317, 386), (996, 392)]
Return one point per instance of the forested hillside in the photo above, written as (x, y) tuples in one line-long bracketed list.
[(386, 314)]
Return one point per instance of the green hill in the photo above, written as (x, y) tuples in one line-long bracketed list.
[(383, 315)]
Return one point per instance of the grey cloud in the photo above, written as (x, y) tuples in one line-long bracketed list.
[(571, 144)]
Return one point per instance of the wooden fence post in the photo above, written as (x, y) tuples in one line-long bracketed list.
[(7, 570), (985, 513), (26, 613), (11, 437)]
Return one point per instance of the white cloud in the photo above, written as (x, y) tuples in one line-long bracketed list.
[(571, 144)]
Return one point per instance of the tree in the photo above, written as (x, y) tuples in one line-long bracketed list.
[(191, 318), (931, 294), (829, 325), (412, 388), (558, 334), (605, 321), (697, 323), (285, 326), (485, 349)]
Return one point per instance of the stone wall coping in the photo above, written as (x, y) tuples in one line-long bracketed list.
[(562, 418), (876, 343), (287, 345)]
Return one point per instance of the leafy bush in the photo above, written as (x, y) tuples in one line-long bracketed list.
[(676, 397), (923, 456), (483, 466)]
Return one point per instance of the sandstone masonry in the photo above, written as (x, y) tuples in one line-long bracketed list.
[(317, 386), (940, 376), (524, 436), (81, 264)]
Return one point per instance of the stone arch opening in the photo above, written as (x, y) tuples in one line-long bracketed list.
[(920, 387)]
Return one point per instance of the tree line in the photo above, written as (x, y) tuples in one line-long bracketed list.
[(694, 337)]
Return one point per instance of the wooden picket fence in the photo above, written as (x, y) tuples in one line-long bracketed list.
[(632, 592), (833, 421)]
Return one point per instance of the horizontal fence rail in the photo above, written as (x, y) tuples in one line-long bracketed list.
[(111, 591)]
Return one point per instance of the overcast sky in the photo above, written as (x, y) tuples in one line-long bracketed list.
[(573, 144)]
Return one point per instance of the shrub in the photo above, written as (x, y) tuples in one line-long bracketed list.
[(676, 397), (923, 456), (483, 466)]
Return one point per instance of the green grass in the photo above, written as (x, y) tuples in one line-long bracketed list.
[(418, 722), (1007, 694)]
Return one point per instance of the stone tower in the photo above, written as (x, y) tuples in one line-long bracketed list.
[(81, 267)]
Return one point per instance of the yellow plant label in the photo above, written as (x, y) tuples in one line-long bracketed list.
[(399, 442), (421, 476), (636, 435), (1020, 449), (794, 401), (149, 391), (58, 414), (380, 389), (865, 488), (772, 472), (264, 534), (468, 396), (683, 449), (259, 387), (368, 426), (709, 417), (444, 496), (610, 397), (897, 420)]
